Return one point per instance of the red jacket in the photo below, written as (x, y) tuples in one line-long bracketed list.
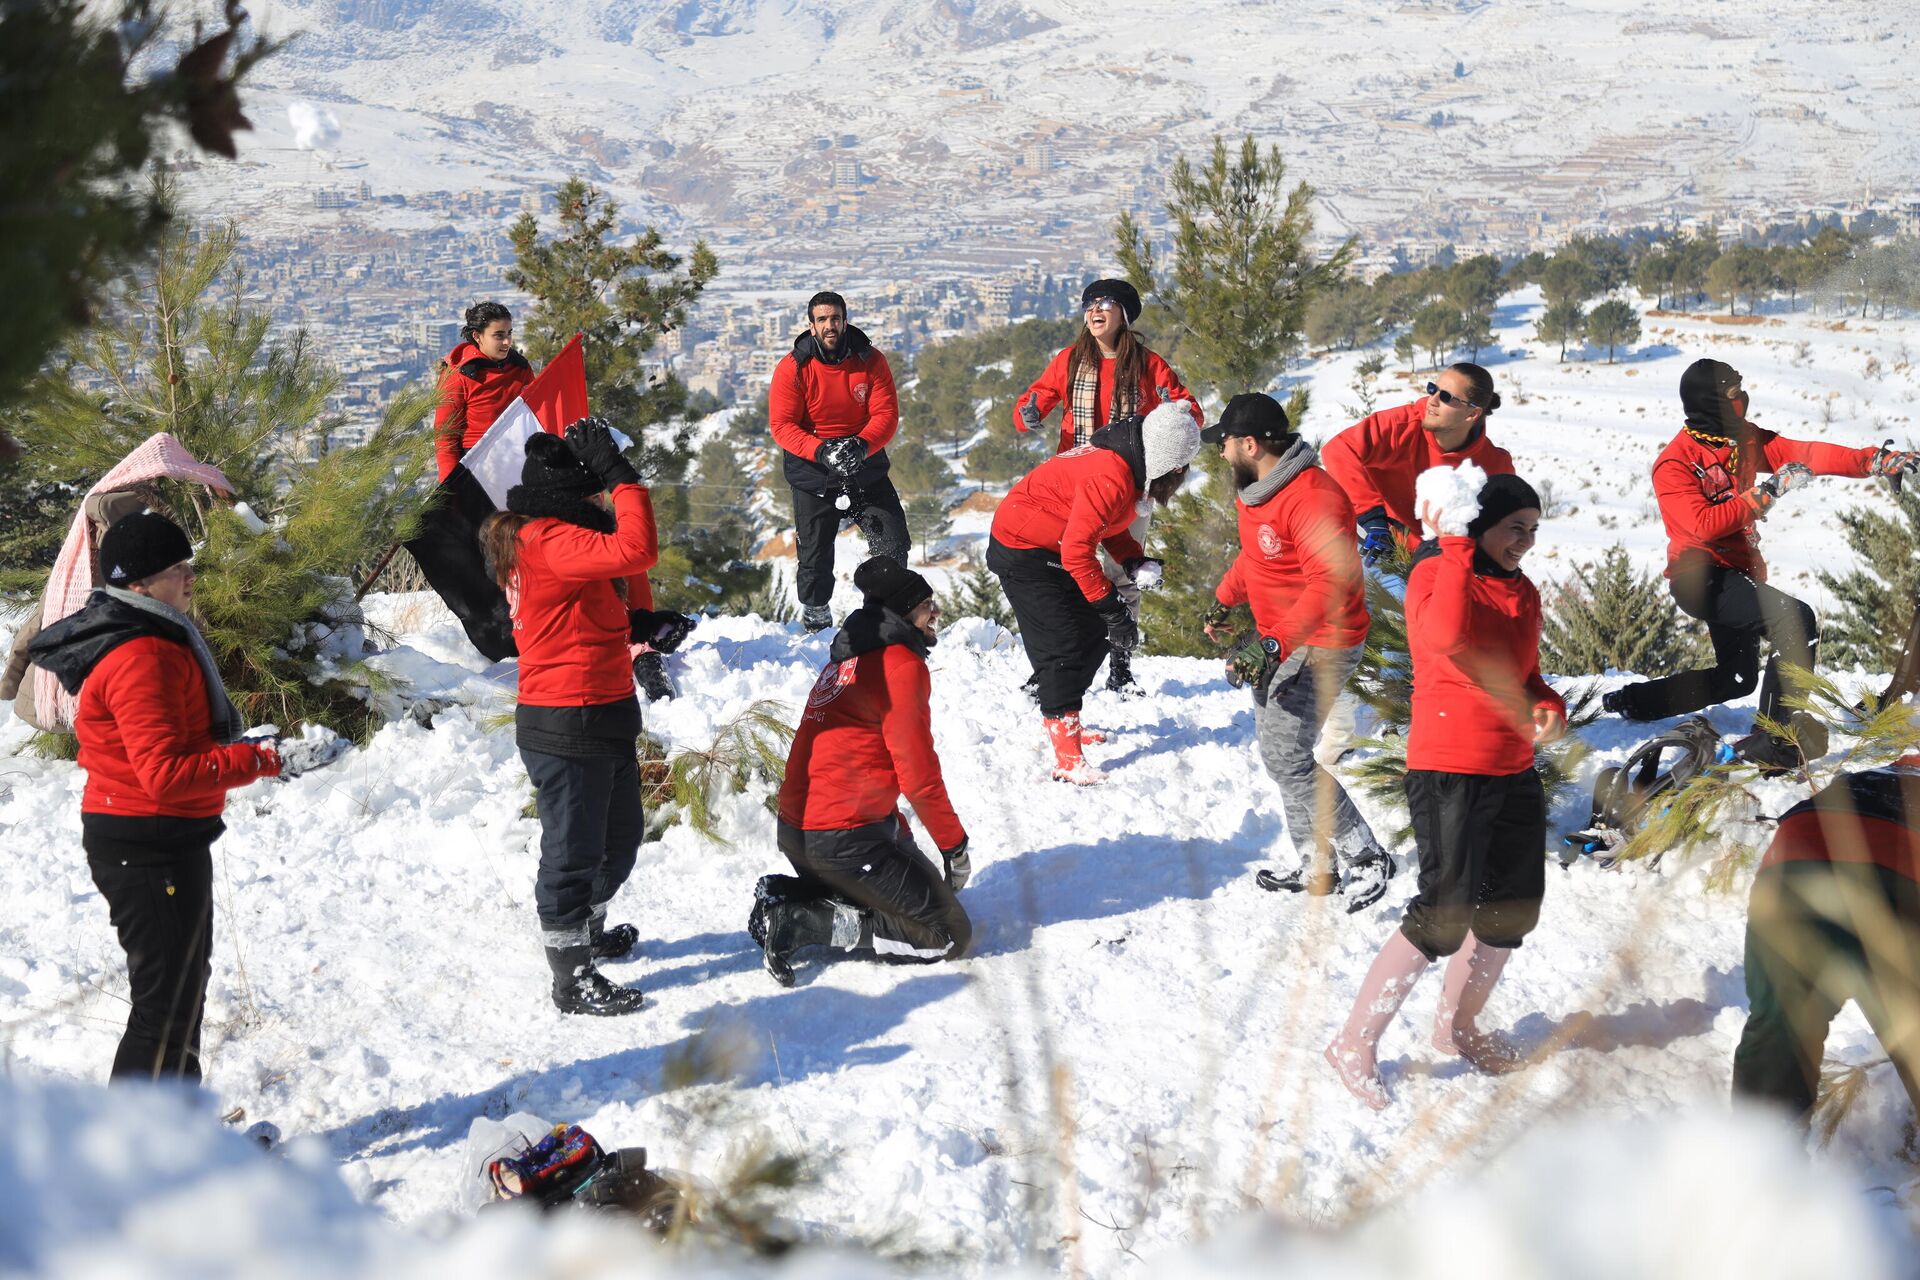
[(146, 737), (811, 401), (1700, 499), (1298, 566), (568, 619), (865, 740), (1075, 503), (1476, 665), (473, 392), (1377, 460), (1159, 383)]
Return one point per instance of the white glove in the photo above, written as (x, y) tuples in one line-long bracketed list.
[(304, 755), (1446, 499)]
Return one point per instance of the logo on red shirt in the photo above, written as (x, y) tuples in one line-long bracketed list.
[(1270, 545), (860, 392), (832, 683)]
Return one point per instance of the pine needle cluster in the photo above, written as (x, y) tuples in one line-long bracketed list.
[(751, 746), (1876, 598), (1609, 617)]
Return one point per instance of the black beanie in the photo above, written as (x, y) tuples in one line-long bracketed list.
[(551, 471), (1119, 290), (892, 584), (1500, 497), (1703, 394), (138, 546)]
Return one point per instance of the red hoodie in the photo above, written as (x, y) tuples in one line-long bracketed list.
[(146, 737), (473, 392), (1699, 493), (1157, 384), (1476, 665), (865, 740), (569, 621), (1298, 566), (1074, 503), (1377, 460)]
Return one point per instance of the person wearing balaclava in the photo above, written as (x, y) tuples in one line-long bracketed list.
[(1712, 504), (1045, 545), (864, 742), (1479, 811), (1106, 375)]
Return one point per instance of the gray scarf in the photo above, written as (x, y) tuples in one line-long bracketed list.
[(227, 724), (1292, 463)]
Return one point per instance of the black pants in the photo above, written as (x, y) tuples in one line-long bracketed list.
[(1482, 841), (157, 877), (590, 828), (1065, 637), (1739, 612), (1820, 934), (879, 868), (874, 508)]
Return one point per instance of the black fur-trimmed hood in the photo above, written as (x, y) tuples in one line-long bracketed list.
[(1123, 436), (852, 347), (874, 626)]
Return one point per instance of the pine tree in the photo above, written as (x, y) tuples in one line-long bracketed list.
[(1472, 288), (1610, 617), (179, 357), (81, 125), (976, 594), (1613, 324), (1437, 328), (929, 522), (1876, 598), (1560, 324)]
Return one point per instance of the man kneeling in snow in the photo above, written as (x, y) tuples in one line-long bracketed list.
[(1835, 916), (865, 740)]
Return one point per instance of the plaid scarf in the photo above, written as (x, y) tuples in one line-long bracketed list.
[(1083, 400)]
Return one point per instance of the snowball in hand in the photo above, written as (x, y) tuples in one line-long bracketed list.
[(1448, 498)]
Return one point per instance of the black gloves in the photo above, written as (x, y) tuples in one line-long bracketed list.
[(843, 456), (1123, 633), (591, 440), (1146, 572), (662, 629), (959, 865)]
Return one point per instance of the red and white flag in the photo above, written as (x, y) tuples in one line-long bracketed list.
[(555, 398)]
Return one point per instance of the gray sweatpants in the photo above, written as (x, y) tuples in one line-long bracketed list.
[(1300, 695)]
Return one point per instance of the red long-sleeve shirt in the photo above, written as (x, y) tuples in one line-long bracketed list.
[(817, 401), (1475, 640), (866, 740), (146, 737), (1377, 460), (1074, 503), (1699, 494), (1158, 383), (569, 622), (1298, 567), (473, 392)]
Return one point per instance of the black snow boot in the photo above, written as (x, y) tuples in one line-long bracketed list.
[(616, 943), (790, 924), (650, 673), (1120, 674), (578, 987)]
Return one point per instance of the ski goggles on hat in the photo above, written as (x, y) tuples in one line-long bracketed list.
[(1447, 397)]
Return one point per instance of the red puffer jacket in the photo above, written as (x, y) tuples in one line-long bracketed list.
[(1699, 488), (569, 621), (1476, 665), (1298, 567), (1377, 460), (473, 392), (811, 400), (146, 737), (866, 739), (1075, 503), (1158, 383)]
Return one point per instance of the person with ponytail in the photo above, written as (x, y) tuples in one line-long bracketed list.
[(479, 378), (1712, 504), (563, 559), (1377, 459), (1107, 375)]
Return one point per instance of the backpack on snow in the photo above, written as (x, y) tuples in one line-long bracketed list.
[(1623, 794)]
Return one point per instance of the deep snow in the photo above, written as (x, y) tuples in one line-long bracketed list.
[(1129, 1060)]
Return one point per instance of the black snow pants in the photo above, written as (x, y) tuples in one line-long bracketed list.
[(1482, 841), (157, 877), (880, 869), (1820, 934), (1065, 636), (874, 508), (591, 821), (1739, 613)]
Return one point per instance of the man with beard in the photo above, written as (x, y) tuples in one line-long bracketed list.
[(1299, 571), (833, 409)]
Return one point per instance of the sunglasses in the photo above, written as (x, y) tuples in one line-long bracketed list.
[(1447, 397), (1103, 304)]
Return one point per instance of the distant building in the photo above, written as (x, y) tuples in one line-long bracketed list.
[(1038, 156), (846, 175), (1906, 216), (329, 199), (439, 337)]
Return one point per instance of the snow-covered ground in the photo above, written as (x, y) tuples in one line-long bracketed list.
[(1128, 1062)]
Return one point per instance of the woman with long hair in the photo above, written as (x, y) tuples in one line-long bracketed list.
[(479, 378), (1108, 374), (563, 559)]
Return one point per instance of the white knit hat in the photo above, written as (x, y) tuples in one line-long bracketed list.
[(1171, 437)]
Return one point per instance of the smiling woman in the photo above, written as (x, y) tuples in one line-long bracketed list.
[(479, 378)]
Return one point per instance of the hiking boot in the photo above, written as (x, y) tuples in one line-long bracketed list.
[(616, 943), (1364, 878), (816, 617), (1775, 756), (578, 987), (1614, 703), (1120, 675), (787, 925)]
